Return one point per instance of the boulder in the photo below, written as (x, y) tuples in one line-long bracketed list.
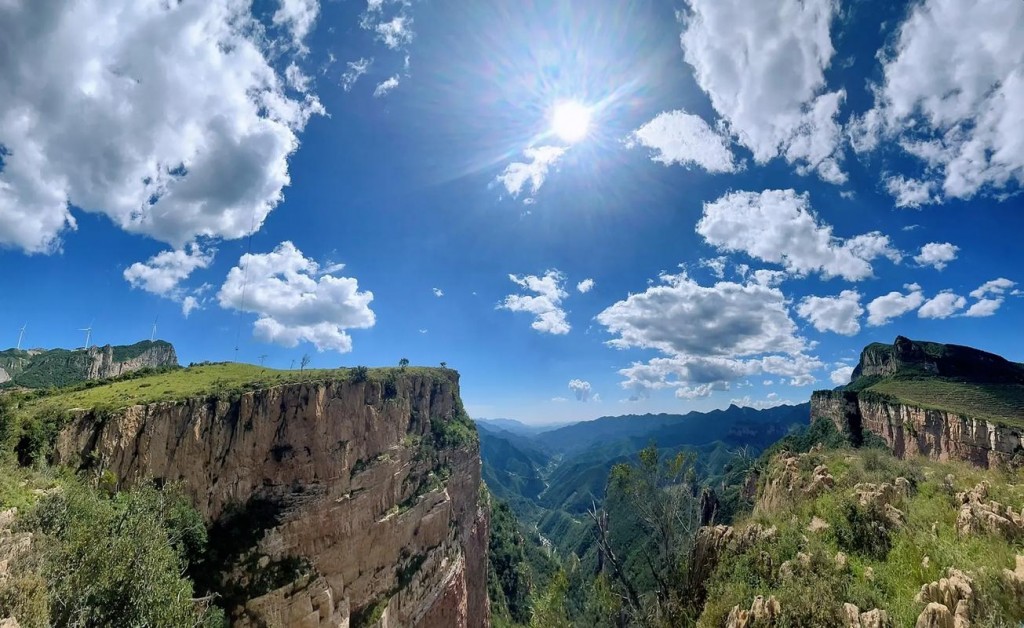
[(935, 615)]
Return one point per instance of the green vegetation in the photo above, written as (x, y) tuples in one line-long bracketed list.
[(99, 559), (886, 562), (999, 403), (58, 368)]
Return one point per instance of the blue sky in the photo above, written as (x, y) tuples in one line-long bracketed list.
[(761, 190)]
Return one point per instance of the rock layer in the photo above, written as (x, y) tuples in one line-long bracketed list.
[(909, 430), (361, 512)]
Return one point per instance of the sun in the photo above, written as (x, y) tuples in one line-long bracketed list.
[(570, 121)]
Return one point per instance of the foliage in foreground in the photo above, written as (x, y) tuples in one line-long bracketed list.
[(100, 559)]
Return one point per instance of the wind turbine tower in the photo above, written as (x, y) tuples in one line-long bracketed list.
[(88, 335), (21, 334), (152, 335)]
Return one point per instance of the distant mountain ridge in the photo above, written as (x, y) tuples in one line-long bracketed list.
[(916, 357), (45, 368)]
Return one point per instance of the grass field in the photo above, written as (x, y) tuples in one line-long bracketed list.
[(225, 379), (1000, 403)]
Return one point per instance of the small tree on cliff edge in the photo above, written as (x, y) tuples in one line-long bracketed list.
[(304, 362), (404, 362)]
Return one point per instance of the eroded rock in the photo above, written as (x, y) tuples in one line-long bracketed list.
[(763, 613), (935, 615), (955, 591), (979, 514)]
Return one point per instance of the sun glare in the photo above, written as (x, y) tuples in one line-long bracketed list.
[(570, 121)]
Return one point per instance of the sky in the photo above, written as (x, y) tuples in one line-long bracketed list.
[(587, 208)]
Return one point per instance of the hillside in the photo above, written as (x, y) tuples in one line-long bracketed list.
[(858, 538), (320, 498), (942, 401), (55, 368)]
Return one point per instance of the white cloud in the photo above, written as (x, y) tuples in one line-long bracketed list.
[(779, 226), (987, 305), (952, 93), (841, 376), (709, 335), (422, 331), (189, 127), (677, 137), (716, 265), (581, 389), (438, 292), (585, 286), (395, 33), (996, 286), (188, 304), (296, 78), (517, 174), (942, 305), (984, 307), (839, 314), (295, 301), (772, 400), (559, 399), (386, 86), (937, 254), (162, 273), (355, 70), (911, 192), (298, 16), (895, 304), (545, 306), (762, 64)]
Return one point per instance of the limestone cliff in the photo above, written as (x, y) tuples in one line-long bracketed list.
[(38, 368), (331, 503), (940, 401)]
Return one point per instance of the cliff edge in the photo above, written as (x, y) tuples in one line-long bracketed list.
[(54, 368), (351, 499), (937, 400)]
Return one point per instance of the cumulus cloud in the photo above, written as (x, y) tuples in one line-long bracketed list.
[(298, 16), (763, 64), (779, 226), (295, 301), (990, 296), (581, 389), (585, 286), (677, 137), (188, 305), (517, 174), (385, 86), (937, 254), (950, 102), (839, 314), (895, 304), (189, 125), (545, 304), (716, 265), (708, 335), (355, 70), (942, 305), (163, 273), (911, 192), (841, 376)]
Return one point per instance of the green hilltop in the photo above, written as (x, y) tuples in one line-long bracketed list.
[(38, 368)]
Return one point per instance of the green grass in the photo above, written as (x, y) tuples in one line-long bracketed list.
[(223, 379), (1000, 403), (814, 597)]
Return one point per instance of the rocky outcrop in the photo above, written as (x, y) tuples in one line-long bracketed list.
[(875, 618), (331, 503), (910, 430), (978, 513), (950, 601), (763, 613), (943, 360), (108, 361), (784, 481)]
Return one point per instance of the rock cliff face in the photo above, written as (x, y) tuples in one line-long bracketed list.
[(331, 503), (945, 360), (37, 368), (909, 430)]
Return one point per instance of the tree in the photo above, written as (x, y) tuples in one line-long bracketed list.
[(444, 365), (404, 362), (304, 362)]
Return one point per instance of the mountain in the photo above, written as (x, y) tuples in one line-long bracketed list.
[(40, 368), (517, 427), (319, 498), (939, 400)]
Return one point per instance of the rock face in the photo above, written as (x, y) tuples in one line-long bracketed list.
[(59, 367), (916, 431), (945, 360), (331, 503), (912, 430)]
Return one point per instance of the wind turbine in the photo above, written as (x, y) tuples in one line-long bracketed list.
[(152, 335), (21, 334), (88, 335)]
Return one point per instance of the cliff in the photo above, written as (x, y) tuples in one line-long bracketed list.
[(60, 367), (940, 401), (330, 503)]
